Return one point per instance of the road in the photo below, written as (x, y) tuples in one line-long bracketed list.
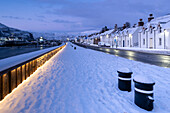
[(153, 59)]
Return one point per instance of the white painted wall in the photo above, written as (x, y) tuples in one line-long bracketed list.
[(158, 36), (151, 39), (143, 39), (167, 38)]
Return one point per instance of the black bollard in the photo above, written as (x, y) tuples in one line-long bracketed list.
[(124, 79), (144, 92), (75, 48)]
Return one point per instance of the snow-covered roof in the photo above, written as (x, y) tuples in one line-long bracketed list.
[(129, 30), (132, 30), (166, 26), (108, 32), (164, 21), (89, 32)]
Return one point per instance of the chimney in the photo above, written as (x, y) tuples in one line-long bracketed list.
[(140, 23), (124, 26), (134, 25), (115, 28), (150, 27), (159, 25), (150, 17)]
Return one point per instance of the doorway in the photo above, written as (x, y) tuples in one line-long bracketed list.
[(151, 43)]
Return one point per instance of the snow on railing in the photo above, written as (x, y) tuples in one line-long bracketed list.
[(14, 70)]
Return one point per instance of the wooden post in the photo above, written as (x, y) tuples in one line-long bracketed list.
[(19, 75), (23, 72), (30, 67), (27, 70), (13, 79), (5, 85), (41, 61), (35, 64), (38, 61), (1, 87)]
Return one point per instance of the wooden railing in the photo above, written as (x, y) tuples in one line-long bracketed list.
[(11, 77)]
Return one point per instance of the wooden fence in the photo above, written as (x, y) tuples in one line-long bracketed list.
[(10, 78)]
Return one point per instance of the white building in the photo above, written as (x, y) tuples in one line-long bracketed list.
[(156, 34), (107, 38), (129, 37)]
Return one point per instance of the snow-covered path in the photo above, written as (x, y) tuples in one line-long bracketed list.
[(84, 81)]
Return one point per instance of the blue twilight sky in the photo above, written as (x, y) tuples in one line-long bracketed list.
[(77, 15)]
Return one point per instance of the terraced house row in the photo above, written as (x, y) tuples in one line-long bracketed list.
[(154, 34)]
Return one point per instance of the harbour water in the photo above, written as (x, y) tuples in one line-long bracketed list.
[(6, 52)]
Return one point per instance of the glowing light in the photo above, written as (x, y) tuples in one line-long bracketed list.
[(166, 32), (130, 35), (116, 51), (130, 53), (108, 50), (33, 74), (107, 36)]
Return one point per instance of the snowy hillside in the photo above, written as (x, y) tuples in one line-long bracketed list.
[(8, 31), (2, 26), (54, 35), (85, 81)]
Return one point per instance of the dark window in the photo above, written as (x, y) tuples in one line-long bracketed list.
[(143, 41), (151, 31), (160, 41)]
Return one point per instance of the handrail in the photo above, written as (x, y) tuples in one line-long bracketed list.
[(16, 61), (18, 68)]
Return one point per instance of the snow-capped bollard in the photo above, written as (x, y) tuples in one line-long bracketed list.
[(124, 79), (144, 92), (75, 48)]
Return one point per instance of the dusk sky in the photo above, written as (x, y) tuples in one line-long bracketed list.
[(77, 15)]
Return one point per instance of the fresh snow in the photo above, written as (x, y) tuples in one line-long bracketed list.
[(85, 81), (124, 70), (143, 79), (165, 18), (107, 32)]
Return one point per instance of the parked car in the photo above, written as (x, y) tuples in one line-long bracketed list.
[(107, 45), (101, 44), (84, 43)]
